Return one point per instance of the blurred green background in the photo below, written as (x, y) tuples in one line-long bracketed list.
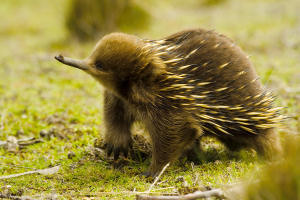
[(37, 93)]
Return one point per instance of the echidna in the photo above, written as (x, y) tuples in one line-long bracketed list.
[(191, 83)]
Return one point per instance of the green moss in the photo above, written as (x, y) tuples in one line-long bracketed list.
[(38, 93)]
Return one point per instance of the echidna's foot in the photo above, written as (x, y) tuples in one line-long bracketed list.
[(146, 174), (149, 174), (195, 156), (116, 149), (194, 153)]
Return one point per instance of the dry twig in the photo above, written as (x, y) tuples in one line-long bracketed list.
[(196, 195), (8, 196), (2, 121), (47, 171), (157, 178)]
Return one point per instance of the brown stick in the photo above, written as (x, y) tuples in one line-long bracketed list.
[(192, 196)]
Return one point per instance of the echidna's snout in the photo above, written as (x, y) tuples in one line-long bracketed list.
[(80, 64)]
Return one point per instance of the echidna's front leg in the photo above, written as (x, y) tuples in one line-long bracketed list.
[(117, 121), (169, 138)]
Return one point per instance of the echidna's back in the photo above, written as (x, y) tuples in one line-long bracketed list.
[(214, 79), (218, 60)]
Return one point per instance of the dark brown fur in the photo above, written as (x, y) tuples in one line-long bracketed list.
[(218, 94)]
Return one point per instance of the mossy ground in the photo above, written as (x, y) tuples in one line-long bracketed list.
[(37, 93)]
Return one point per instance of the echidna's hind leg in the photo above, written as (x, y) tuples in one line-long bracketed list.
[(266, 143), (117, 121)]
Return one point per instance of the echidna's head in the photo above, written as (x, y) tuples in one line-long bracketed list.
[(115, 61)]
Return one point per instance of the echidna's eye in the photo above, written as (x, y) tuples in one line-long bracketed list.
[(99, 66)]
